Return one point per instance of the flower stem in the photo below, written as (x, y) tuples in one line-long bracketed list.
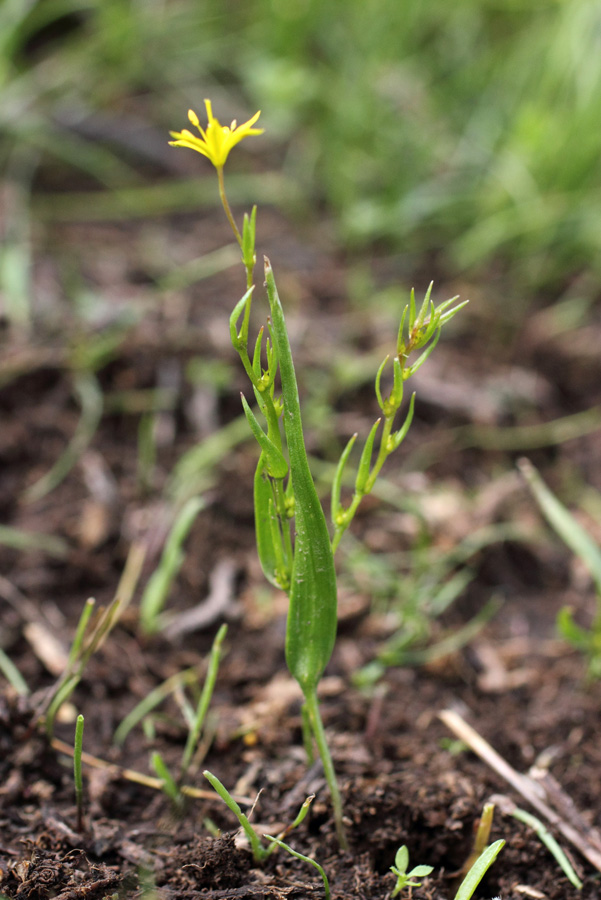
[(226, 205), (312, 707)]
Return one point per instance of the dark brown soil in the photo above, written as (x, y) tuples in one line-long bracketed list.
[(403, 778)]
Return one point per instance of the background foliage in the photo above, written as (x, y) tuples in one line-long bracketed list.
[(464, 137)]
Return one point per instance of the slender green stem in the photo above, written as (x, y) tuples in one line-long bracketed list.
[(205, 699), (226, 206), (238, 236), (320, 869), (77, 776), (307, 735), (258, 851), (312, 707)]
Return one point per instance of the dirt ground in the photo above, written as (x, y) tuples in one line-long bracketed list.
[(162, 349)]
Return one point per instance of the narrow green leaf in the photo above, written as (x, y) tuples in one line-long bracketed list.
[(81, 630), (564, 523), (365, 461), (204, 700), (446, 317), (273, 460), (159, 584), (258, 851), (256, 363), (424, 307), (337, 481), (396, 395), (236, 313), (378, 380), (312, 615), (412, 310), (400, 343), (399, 436), (248, 238), (478, 871), (421, 359), (169, 785)]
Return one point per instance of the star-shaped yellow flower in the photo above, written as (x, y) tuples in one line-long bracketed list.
[(216, 140)]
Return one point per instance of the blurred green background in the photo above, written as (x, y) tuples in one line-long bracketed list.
[(461, 138)]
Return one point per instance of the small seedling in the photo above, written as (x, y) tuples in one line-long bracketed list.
[(91, 632), (204, 701), (77, 775), (508, 807), (259, 852), (478, 871), (196, 719), (168, 783), (403, 877), (481, 838)]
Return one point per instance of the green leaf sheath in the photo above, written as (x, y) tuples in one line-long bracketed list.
[(312, 616)]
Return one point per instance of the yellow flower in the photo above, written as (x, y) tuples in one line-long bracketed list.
[(217, 140)]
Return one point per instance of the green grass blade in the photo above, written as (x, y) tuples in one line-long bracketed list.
[(478, 871), (564, 523), (258, 850), (150, 702), (205, 699), (12, 674)]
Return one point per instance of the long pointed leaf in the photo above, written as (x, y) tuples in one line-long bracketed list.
[(312, 616)]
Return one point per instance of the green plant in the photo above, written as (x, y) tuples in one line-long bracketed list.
[(260, 853), (92, 631), (285, 496), (168, 782), (203, 701), (77, 776), (195, 720), (478, 870), (159, 584), (577, 539), (403, 877), (508, 807), (326, 883)]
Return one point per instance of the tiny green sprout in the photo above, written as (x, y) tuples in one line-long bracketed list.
[(90, 634), (478, 871), (259, 852), (168, 784), (77, 776), (403, 877)]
